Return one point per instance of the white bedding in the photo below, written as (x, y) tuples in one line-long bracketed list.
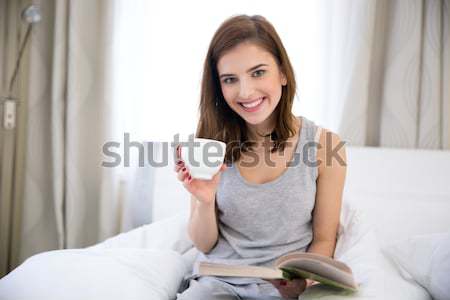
[(110, 274), (398, 200), (387, 285), (122, 267), (125, 267), (377, 275)]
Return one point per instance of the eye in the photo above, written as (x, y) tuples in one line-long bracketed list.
[(229, 80), (259, 73)]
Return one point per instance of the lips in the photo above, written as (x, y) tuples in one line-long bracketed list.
[(253, 105)]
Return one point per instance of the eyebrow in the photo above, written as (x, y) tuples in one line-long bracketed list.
[(249, 70)]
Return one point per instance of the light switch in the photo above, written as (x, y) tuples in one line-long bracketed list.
[(9, 114)]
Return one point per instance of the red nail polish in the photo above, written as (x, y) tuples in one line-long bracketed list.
[(189, 177), (184, 169)]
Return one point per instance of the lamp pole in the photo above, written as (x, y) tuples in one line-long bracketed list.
[(30, 15)]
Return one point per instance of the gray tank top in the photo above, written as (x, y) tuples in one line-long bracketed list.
[(260, 222)]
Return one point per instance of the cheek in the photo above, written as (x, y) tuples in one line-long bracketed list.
[(229, 93), (273, 88)]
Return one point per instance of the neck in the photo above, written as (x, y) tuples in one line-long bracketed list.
[(258, 132)]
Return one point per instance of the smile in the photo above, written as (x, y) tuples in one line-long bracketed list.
[(253, 105)]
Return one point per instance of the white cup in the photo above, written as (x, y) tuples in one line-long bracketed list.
[(203, 157)]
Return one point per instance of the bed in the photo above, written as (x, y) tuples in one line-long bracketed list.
[(394, 233)]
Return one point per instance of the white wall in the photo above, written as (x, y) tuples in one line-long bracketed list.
[(159, 50), (161, 46)]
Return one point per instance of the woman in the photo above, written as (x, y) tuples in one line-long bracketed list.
[(273, 195)]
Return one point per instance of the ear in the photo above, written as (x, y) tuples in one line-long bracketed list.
[(283, 79)]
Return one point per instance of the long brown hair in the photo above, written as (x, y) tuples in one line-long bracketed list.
[(217, 120)]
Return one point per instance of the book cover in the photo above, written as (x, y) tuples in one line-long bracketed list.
[(317, 267)]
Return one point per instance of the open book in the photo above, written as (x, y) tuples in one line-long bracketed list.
[(289, 266)]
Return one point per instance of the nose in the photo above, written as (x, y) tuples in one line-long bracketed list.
[(246, 89)]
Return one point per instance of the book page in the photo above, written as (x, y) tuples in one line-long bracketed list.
[(295, 273), (320, 268), (313, 256), (318, 264), (213, 269)]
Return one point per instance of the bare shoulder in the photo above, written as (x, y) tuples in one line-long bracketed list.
[(331, 154)]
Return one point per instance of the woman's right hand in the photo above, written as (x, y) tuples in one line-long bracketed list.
[(203, 190)]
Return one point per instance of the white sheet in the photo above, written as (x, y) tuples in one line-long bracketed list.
[(424, 259), (398, 200), (387, 285), (112, 274), (109, 271)]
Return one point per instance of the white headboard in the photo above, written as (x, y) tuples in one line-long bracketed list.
[(403, 191), (390, 170)]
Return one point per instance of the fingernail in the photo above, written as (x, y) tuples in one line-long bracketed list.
[(189, 177), (184, 169), (179, 162)]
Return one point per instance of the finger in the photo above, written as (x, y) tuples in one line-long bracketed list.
[(178, 166), (187, 181), (276, 282), (222, 169), (182, 174), (310, 282), (175, 152), (294, 283), (299, 281), (283, 283), (178, 151), (184, 177)]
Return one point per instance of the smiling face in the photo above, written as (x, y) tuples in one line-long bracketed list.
[(251, 83)]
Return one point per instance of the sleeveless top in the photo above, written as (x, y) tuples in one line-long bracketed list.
[(260, 222)]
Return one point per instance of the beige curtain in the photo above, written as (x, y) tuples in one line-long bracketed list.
[(68, 200), (388, 66), (11, 140)]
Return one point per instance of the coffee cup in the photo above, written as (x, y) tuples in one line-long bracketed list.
[(202, 157)]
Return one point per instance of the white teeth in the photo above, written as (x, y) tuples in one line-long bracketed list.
[(252, 104)]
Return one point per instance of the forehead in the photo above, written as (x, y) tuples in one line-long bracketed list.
[(243, 57)]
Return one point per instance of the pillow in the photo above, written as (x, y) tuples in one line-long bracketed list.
[(96, 274), (357, 247), (170, 233), (356, 243), (425, 259)]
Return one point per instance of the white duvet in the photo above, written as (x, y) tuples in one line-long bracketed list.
[(96, 274), (150, 262)]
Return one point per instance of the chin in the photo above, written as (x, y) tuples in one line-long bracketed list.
[(256, 119)]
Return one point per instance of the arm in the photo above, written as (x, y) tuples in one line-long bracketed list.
[(330, 185), (202, 227)]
